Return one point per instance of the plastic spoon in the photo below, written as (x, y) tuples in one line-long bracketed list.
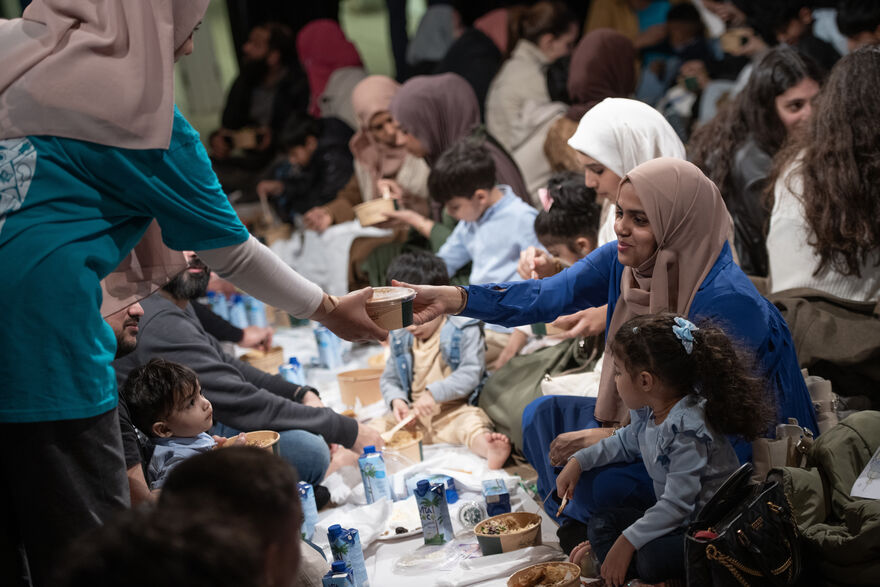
[(386, 436)]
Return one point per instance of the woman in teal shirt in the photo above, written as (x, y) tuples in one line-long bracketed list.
[(92, 150)]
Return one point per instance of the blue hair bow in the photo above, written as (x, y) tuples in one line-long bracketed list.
[(684, 331)]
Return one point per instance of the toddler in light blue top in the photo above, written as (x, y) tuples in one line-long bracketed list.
[(167, 405), (686, 387)]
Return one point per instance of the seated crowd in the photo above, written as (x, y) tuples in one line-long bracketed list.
[(677, 202)]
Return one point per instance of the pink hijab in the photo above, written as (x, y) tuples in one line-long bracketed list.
[(691, 225), (323, 48), (99, 71), (370, 97), (494, 25)]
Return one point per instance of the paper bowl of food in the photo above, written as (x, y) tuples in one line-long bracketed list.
[(391, 307), (267, 361), (267, 439), (375, 211), (407, 444), (508, 532), (360, 384), (554, 574)]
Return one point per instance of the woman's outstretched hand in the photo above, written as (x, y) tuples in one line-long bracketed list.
[(589, 322), (432, 300)]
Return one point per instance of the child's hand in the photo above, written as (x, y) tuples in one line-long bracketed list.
[(240, 440), (424, 406), (617, 562), (536, 263), (400, 409), (389, 188), (568, 479), (269, 187), (318, 219)]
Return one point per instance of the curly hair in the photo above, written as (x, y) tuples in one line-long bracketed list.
[(751, 114), (838, 159), (737, 398), (574, 212)]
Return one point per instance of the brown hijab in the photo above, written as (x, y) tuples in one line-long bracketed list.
[(691, 225), (602, 66), (99, 71), (370, 97)]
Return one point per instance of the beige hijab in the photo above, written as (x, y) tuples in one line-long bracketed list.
[(99, 71), (370, 97), (691, 225)]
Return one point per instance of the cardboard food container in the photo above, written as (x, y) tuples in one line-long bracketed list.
[(391, 307), (374, 211), (553, 574), (267, 439), (360, 384), (522, 529), (407, 444), (265, 361)]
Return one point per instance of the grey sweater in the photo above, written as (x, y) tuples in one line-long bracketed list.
[(243, 397)]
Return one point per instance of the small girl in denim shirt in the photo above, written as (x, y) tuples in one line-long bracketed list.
[(686, 388)]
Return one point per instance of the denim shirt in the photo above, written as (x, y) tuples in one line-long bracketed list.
[(462, 348), (687, 460), (170, 452)]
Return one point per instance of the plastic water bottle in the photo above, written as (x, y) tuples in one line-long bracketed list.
[(339, 575), (346, 546), (374, 475), (256, 312), (434, 512), (310, 509), (293, 372), (219, 304), (329, 347), (238, 312)]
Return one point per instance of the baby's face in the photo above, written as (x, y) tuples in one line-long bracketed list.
[(191, 418)]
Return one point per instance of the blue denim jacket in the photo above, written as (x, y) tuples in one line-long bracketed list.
[(462, 347)]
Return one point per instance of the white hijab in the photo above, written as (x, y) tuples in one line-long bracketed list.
[(621, 134)]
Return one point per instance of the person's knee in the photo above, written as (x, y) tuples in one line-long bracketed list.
[(307, 452)]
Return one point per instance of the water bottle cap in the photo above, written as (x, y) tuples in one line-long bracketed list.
[(423, 485), (212, 295), (369, 449), (333, 531), (294, 361), (339, 566), (237, 298)]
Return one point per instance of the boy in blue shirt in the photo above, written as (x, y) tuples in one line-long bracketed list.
[(494, 225), (434, 367)]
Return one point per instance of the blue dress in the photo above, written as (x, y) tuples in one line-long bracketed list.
[(726, 296)]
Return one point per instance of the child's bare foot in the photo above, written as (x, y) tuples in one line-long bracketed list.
[(498, 449)]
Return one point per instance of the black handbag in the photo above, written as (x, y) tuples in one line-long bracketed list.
[(745, 536)]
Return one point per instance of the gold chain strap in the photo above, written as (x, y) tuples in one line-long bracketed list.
[(731, 564)]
